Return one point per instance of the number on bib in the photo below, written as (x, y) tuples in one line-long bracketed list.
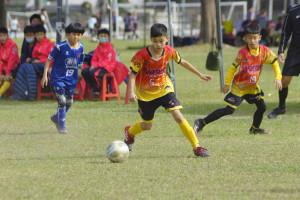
[(70, 72), (151, 82), (252, 80)]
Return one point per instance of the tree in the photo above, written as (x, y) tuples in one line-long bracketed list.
[(208, 20), (2, 14)]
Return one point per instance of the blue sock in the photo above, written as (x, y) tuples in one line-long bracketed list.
[(55, 115), (61, 118)]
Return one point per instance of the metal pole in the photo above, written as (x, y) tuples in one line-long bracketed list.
[(220, 42), (58, 21), (270, 10), (67, 13), (116, 6), (172, 45), (183, 18), (145, 26), (110, 20)]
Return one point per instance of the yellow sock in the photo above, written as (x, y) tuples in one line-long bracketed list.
[(135, 129), (188, 131), (4, 87)]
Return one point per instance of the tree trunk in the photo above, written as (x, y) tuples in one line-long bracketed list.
[(208, 20), (2, 14)]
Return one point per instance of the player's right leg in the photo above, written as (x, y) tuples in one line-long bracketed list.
[(146, 110), (232, 102)]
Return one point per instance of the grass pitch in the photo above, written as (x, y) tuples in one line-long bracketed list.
[(38, 163)]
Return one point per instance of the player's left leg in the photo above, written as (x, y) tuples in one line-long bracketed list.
[(188, 132), (258, 117)]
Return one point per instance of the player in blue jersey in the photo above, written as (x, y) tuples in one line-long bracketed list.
[(67, 57)]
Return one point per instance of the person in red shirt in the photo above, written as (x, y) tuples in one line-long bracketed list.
[(9, 58), (103, 61), (25, 84)]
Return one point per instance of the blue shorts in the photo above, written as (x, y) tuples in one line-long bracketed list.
[(234, 101), (63, 89)]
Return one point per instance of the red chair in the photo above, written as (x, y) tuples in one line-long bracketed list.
[(108, 81), (41, 93), (127, 89), (106, 92)]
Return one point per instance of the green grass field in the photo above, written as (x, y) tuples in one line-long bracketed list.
[(38, 163)]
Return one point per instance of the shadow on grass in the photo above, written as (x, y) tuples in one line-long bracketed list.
[(243, 109)]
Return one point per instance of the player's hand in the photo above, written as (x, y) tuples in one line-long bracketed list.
[(226, 88), (35, 61), (92, 67), (206, 78), (281, 57), (278, 84), (6, 78), (44, 81), (132, 97)]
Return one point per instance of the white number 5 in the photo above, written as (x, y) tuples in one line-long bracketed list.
[(151, 82)]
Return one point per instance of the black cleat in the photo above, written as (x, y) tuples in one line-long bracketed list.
[(276, 111), (198, 126)]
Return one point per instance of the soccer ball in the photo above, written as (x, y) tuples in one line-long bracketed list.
[(117, 151)]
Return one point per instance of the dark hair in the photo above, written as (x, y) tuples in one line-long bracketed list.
[(103, 30), (43, 9), (3, 30), (29, 29), (35, 16), (158, 30), (39, 28), (252, 29), (74, 28)]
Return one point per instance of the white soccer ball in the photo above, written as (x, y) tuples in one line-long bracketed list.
[(117, 151)]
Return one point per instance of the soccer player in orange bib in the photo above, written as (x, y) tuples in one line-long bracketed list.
[(249, 62), (154, 88)]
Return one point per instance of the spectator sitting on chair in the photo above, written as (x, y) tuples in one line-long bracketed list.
[(27, 48), (103, 61), (25, 85), (9, 58)]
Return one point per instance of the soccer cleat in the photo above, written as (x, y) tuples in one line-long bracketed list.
[(129, 139), (276, 111), (200, 151), (198, 126), (63, 131), (258, 131), (55, 122)]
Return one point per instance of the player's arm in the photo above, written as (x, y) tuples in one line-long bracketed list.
[(44, 80), (278, 76), (229, 78), (131, 82), (191, 68), (285, 36)]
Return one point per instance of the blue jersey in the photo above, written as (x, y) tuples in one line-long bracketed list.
[(65, 66)]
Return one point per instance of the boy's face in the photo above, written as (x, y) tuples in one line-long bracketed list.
[(3, 38), (103, 37), (252, 40), (73, 38), (159, 42), (29, 36), (40, 36), (36, 21)]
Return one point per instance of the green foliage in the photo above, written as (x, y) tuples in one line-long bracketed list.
[(38, 163)]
